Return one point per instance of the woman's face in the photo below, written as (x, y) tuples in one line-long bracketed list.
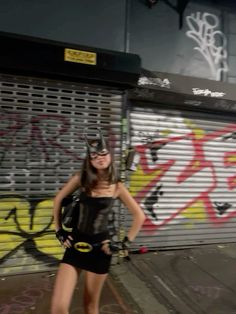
[(101, 160)]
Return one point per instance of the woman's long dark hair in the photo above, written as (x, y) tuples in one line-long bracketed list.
[(89, 174)]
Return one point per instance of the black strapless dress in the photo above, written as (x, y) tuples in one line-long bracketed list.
[(91, 230)]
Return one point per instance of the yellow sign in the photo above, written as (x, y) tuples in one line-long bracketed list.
[(80, 56)]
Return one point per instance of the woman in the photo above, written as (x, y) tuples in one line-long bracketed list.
[(100, 187)]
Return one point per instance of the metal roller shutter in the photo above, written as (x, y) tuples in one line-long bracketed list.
[(185, 178), (41, 147)]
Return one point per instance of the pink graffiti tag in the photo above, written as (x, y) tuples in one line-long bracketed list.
[(17, 122)]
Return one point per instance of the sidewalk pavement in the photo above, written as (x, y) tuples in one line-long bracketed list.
[(197, 280), (200, 280), (31, 294)]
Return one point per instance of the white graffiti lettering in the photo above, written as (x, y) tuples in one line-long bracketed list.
[(207, 92), (211, 43), (154, 81)]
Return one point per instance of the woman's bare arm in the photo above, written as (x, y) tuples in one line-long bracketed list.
[(72, 185), (134, 208)]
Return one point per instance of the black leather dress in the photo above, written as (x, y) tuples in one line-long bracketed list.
[(92, 229)]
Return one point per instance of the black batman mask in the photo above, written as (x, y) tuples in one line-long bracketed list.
[(98, 145)]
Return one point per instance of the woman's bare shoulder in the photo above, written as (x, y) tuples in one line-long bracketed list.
[(119, 188), (77, 174), (75, 179)]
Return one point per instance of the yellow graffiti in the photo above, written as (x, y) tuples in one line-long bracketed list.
[(165, 133), (198, 133), (196, 211), (139, 180), (231, 158), (196, 164), (18, 223), (136, 184), (48, 244)]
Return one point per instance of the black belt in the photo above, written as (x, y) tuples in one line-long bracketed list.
[(86, 247)]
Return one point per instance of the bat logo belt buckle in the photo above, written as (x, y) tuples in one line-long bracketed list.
[(83, 247)]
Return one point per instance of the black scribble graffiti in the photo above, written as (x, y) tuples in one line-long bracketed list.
[(229, 136), (27, 238), (154, 154), (154, 149), (153, 199), (222, 207), (30, 247), (149, 140), (12, 212)]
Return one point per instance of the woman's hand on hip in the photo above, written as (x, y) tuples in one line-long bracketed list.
[(106, 247)]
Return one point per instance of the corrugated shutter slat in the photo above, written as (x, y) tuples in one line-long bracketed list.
[(185, 178), (41, 128)]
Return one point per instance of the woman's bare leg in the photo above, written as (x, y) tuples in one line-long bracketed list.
[(92, 291), (65, 283)]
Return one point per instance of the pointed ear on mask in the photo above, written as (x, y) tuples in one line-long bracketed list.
[(98, 145), (103, 144)]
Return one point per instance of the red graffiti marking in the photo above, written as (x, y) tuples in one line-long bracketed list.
[(232, 182), (36, 134), (199, 166), (37, 138)]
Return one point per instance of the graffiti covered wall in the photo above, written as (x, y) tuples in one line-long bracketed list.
[(41, 146), (185, 176)]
